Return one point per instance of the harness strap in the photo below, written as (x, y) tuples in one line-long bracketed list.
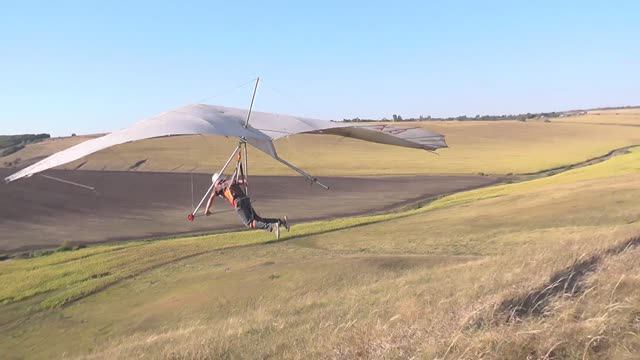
[(241, 171), (234, 177), (238, 173)]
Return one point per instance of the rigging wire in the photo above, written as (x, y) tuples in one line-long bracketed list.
[(69, 182), (192, 201), (287, 97), (225, 92)]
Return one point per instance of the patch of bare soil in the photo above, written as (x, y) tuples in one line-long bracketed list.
[(41, 213)]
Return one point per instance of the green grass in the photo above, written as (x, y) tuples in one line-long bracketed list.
[(68, 276), (429, 282), (617, 166)]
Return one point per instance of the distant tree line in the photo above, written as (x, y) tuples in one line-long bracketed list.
[(614, 108), (13, 143), (519, 117)]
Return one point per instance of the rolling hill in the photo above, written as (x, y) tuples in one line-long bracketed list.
[(491, 147)]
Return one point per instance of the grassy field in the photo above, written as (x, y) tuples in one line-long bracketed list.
[(475, 147), (544, 268)]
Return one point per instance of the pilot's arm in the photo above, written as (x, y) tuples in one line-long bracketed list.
[(206, 210)]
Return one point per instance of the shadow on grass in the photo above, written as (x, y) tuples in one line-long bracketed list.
[(566, 282)]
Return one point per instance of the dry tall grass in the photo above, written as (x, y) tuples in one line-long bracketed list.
[(548, 271)]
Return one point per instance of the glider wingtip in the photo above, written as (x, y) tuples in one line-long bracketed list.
[(13, 177)]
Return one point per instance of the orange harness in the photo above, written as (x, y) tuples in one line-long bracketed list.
[(229, 196), (233, 193)]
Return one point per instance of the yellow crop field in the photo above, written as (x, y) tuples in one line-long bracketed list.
[(624, 117), (500, 147)]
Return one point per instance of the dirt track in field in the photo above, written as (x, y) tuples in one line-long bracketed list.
[(41, 213)]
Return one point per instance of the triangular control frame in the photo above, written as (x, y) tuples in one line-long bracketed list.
[(242, 149)]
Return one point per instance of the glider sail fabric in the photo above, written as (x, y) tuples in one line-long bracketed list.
[(416, 138), (263, 128)]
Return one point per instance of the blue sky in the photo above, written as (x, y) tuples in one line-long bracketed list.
[(95, 66)]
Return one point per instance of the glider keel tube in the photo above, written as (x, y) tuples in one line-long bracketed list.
[(311, 179)]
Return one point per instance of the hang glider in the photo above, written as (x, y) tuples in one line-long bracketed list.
[(260, 133)]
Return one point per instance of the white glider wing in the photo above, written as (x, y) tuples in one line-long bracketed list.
[(278, 125), (218, 120)]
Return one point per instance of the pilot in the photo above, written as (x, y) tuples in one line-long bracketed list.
[(231, 190)]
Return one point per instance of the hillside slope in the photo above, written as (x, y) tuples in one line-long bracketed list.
[(545, 268), (37, 151), (10, 144)]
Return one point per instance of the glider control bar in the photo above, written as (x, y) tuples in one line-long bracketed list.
[(219, 211)]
